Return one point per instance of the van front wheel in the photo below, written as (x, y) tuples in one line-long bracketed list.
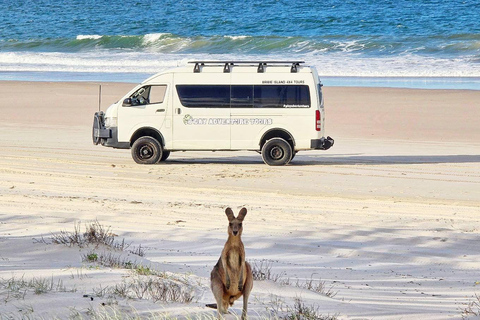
[(146, 150), (276, 152), (165, 155)]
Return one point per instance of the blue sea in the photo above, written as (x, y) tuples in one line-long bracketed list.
[(398, 43)]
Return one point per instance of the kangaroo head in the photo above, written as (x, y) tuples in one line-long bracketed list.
[(235, 224)]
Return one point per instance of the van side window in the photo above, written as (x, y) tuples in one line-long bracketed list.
[(244, 96), (148, 95), (241, 96), (320, 97), (204, 96), (281, 96), (157, 94)]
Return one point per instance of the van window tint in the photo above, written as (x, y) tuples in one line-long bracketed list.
[(283, 96), (204, 96), (320, 97), (242, 97)]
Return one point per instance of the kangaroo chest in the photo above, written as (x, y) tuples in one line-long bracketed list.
[(234, 258), (234, 264)]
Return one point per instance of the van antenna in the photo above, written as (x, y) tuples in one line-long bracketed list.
[(99, 97)]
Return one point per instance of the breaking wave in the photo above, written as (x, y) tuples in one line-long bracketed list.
[(447, 46), (350, 56)]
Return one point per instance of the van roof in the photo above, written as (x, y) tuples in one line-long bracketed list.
[(229, 66)]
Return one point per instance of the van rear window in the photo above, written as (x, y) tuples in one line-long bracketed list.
[(281, 96), (244, 96)]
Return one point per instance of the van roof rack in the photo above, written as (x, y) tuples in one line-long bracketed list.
[(260, 69)]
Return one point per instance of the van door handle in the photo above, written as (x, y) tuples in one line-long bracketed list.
[(160, 110), (178, 111)]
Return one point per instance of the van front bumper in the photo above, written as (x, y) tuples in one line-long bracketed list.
[(99, 132), (322, 143), (107, 137)]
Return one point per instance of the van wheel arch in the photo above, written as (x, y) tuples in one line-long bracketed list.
[(150, 132), (278, 133)]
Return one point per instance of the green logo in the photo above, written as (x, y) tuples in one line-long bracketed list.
[(187, 119)]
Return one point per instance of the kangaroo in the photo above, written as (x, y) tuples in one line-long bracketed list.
[(232, 275)]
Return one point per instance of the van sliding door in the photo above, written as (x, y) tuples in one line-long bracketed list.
[(201, 114)]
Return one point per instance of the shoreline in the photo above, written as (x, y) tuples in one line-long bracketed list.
[(407, 82)]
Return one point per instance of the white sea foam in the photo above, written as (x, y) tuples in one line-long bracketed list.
[(165, 42), (83, 62), (327, 64), (88, 37), (348, 46), (153, 37), (236, 37)]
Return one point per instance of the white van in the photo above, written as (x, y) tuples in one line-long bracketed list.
[(272, 107)]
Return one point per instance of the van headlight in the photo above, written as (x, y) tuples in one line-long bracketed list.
[(110, 122)]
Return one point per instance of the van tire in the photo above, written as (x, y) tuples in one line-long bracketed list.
[(165, 155), (293, 155), (147, 150), (277, 152)]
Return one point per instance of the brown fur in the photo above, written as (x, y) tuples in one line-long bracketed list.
[(232, 275)]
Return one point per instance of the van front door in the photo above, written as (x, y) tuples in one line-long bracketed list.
[(145, 108), (201, 114)]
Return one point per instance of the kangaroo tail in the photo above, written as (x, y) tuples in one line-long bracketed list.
[(212, 305)]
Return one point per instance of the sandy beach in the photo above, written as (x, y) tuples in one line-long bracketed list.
[(384, 225)]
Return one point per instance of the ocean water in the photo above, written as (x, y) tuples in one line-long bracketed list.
[(410, 43)]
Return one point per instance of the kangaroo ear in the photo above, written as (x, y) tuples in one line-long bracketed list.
[(229, 214), (242, 214)]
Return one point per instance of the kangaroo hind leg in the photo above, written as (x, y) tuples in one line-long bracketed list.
[(217, 289), (247, 288)]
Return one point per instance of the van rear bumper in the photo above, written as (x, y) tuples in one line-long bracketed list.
[(322, 143)]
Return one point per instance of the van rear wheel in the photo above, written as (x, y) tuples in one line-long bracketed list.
[(147, 150), (276, 152)]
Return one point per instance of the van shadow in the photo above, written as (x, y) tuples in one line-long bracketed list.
[(335, 159), (361, 159)]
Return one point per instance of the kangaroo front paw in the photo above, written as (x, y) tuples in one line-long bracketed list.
[(240, 287), (227, 285)]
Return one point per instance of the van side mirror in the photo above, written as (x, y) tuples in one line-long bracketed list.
[(127, 102)]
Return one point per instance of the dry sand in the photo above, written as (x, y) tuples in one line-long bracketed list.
[(387, 218)]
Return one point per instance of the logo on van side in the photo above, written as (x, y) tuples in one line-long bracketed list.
[(189, 120)]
